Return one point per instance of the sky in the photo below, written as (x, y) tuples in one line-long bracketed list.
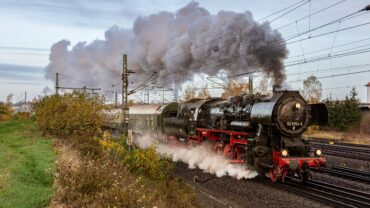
[(28, 29)]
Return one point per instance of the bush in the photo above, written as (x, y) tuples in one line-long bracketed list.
[(72, 114), (97, 183), (346, 114), (141, 161), (21, 115), (105, 182), (365, 124), (6, 111)]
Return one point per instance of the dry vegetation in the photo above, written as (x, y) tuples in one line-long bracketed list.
[(93, 170), (6, 111), (346, 121), (357, 135)]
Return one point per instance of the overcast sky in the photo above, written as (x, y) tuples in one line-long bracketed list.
[(28, 28)]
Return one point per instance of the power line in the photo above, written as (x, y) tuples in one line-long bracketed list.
[(334, 75), (299, 34), (308, 16), (326, 57), (325, 49), (24, 48)]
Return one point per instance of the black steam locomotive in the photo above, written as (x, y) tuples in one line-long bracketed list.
[(265, 133)]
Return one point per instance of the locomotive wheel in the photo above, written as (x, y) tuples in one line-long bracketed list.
[(218, 148), (260, 151), (306, 176), (227, 150), (238, 155), (275, 174)]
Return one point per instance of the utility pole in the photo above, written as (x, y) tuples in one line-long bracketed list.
[(125, 109), (56, 83)]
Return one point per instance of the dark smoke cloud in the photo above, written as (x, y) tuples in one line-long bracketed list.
[(175, 45)]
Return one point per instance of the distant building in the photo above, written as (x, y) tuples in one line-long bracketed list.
[(366, 105)]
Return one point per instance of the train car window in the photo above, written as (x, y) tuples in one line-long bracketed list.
[(147, 121), (152, 121)]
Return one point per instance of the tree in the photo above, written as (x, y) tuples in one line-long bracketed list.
[(235, 88), (344, 114), (203, 93), (312, 89), (263, 85), (46, 91), (189, 93)]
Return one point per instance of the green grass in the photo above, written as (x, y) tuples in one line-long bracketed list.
[(26, 165)]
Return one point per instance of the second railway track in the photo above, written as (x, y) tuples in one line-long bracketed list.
[(354, 151), (330, 194), (347, 173)]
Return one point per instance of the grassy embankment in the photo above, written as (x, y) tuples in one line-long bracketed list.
[(26, 165)]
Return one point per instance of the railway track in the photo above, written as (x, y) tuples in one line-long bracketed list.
[(330, 194), (348, 173), (340, 149)]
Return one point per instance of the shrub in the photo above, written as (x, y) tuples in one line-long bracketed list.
[(21, 115), (97, 183), (365, 124), (346, 114), (105, 182), (6, 111), (140, 161), (72, 114)]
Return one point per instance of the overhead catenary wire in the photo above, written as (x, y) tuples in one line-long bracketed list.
[(297, 35), (329, 54), (310, 15), (334, 75), (328, 48), (326, 57)]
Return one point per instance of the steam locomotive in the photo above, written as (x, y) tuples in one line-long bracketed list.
[(262, 132)]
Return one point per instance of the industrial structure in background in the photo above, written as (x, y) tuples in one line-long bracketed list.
[(84, 88), (366, 105)]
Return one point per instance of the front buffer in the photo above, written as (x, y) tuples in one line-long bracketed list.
[(293, 166)]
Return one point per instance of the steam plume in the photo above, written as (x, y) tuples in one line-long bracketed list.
[(200, 156), (174, 45)]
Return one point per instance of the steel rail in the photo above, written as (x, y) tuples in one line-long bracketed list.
[(330, 194)]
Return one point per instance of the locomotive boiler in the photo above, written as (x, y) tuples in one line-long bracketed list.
[(265, 133)]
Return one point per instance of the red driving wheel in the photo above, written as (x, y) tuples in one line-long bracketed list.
[(275, 173)]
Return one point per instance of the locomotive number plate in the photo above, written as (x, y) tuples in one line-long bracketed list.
[(294, 123)]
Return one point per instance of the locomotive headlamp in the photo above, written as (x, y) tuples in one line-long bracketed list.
[(297, 106), (318, 152), (284, 152)]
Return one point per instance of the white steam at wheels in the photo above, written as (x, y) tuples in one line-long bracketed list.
[(199, 156)]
